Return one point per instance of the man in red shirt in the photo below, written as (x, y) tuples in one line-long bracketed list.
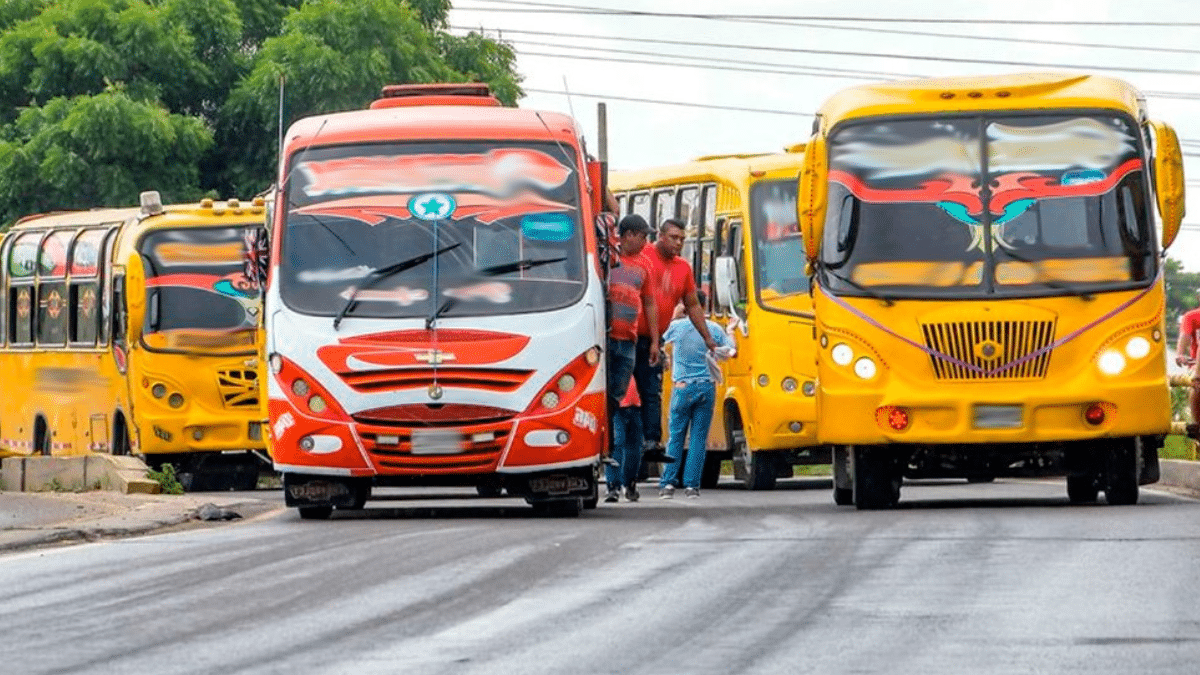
[(672, 282), (631, 302), (1185, 354)]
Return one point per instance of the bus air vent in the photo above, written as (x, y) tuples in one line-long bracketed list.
[(989, 350)]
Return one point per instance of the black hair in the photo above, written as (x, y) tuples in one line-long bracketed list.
[(632, 223), (669, 223)]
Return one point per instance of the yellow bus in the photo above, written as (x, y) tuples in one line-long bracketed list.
[(988, 282), (134, 331), (745, 249)]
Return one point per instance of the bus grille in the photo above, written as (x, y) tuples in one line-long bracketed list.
[(394, 454), (433, 415), (238, 388), (494, 379), (992, 347)]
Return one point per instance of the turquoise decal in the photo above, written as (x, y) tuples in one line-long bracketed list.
[(432, 206), (1082, 177), (547, 227)]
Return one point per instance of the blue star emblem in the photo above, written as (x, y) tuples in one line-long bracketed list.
[(431, 206)]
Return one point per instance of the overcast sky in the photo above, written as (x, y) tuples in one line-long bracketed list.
[(759, 96)]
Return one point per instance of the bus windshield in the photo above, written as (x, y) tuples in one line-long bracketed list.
[(1066, 213), (432, 229), (195, 283), (779, 248)]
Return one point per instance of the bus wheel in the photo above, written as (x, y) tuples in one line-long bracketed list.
[(41, 437), (843, 485), (1121, 481), (757, 468), (120, 445), (876, 478), (711, 475), (593, 498), (316, 512), (559, 508), (1082, 488)]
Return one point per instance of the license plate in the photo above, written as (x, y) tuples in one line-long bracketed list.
[(436, 442), (557, 485), (998, 417)]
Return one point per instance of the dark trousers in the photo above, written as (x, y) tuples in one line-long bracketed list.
[(649, 386)]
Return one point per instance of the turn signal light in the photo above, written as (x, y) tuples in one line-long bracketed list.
[(1095, 414), (895, 417)]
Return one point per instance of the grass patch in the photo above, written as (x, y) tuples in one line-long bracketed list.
[(166, 479), (1178, 447)]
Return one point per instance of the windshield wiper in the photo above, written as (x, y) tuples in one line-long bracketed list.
[(886, 300), (385, 272), (517, 266), (450, 302)]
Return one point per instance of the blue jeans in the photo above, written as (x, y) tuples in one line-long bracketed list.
[(620, 370), (691, 414), (649, 385), (627, 448)]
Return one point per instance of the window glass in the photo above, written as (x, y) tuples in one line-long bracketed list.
[(22, 257), (85, 315), (20, 308), (53, 259), (85, 255), (52, 313)]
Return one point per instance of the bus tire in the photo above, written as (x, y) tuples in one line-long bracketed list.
[(1123, 471), (1082, 488), (120, 444), (843, 485), (876, 478), (593, 499), (41, 437), (315, 512), (711, 474), (758, 468), (559, 508)]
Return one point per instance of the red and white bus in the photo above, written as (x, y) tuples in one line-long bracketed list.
[(434, 304)]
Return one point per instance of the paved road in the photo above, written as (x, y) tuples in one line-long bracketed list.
[(998, 578)]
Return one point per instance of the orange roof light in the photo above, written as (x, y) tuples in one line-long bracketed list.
[(467, 93)]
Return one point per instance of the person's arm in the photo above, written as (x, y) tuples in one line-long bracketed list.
[(691, 305), (1183, 348), (651, 311)]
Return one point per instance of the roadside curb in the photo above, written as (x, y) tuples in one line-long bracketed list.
[(1180, 474)]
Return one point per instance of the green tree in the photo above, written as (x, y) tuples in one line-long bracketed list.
[(185, 93), (1181, 295)]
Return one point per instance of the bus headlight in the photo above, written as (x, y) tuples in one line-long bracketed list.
[(159, 390), (864, 368), (566, 382), (842, 354), (789, 384), (300, 388), (1111, 362), (592, 356), (1137, 347), (317, 404), (549, 400), (276, 362), (175, 401)]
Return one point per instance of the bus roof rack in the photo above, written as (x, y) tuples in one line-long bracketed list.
[(451, 93)]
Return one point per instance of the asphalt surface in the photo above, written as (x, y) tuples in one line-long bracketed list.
[(1007, 577)]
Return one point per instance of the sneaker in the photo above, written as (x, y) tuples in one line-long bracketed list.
[(692, 493), (631, 493), (653, 451), (666, 492), (613, 496)]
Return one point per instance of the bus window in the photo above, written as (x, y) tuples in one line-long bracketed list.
[(84, 287), (708, 213), (21, 266), (52, 309), (640, 204), (106, 306), (689, 208), (664, 207)]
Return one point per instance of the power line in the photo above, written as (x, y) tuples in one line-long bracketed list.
[(556, 8), (702, 66), (880, 55), (792, 113), (1060, 43)]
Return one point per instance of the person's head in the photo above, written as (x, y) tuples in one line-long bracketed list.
[(632, 231), (670, 238)]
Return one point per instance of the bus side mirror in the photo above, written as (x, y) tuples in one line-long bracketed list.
[(135, 296), (812, 194), (725, 282), (597, 172), (1168, 178)]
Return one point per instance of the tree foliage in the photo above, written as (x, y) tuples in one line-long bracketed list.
[(101, 99)]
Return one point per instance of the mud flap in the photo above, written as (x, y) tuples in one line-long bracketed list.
[(1148, 471)]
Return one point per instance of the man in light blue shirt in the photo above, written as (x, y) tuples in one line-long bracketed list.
[(693, 395)]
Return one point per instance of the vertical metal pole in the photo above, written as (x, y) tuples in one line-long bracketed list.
[(602, 134)]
